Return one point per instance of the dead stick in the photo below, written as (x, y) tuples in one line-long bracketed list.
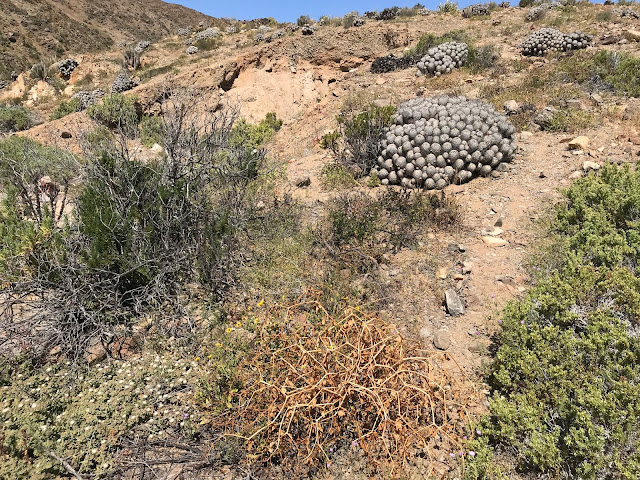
[(66, 466)]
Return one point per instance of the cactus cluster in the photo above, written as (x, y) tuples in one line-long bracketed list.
[(391, 63), (66, 67), (231, 29), (476, 10), (123, 83), (184, 32), (626, 12), (442, 140), (192, 50), (210, 32), (548, 39), (443, 58), (87, 98), (142, 46), (308, 29), (538, 12), (505, 5)]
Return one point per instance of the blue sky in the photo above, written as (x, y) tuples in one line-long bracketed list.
[(289, 11)]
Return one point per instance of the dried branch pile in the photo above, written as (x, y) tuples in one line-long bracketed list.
[(351, 382)]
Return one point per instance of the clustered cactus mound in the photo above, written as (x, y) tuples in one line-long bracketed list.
[(308, 29), (66, 67), (210, 32), (184, 32), (547, 39), (443, 58), (192, 50), (536, 13), (123, 83), (86, 98), (442, 140), (626, 12), (476, 10), (391, 63)]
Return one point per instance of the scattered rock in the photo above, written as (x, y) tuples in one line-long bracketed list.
[(498, 223), (476, 347), (588, 166), (455, 307), (579, 143), (496, 232), (494, 241), (511, 107), (467, 267), (157, 149), (542, 175), (525, 135), (302, 182), (596, 97), (442, 340), (610, 40), (545, 117), (575, 175), (574, 104), (442, 273), (633, 35), (66, 135)]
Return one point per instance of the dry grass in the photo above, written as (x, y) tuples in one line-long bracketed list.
[(319, 384)]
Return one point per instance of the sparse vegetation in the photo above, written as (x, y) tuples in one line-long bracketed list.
[(116, 111), (14, 118), (152, 130), (448, 7), (66, 107)]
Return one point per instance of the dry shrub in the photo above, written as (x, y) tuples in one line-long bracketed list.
[(318, 385)]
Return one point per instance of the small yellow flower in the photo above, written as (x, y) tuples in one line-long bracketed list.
[(197, 359), (260, 303), (229, 329), (256, 320), (219, 345), (238, 324)]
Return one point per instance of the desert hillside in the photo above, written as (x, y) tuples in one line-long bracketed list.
[(402, 244), (45, 29)]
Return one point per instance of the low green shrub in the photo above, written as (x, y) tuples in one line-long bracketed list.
[(448, 7), (207, 44), (66, 107), (334, 176), (151, 130), (482, 58), (570, 120), (253, 136), (14, 118), (87, 417), (565, 384), (116, 111), (429, 40)]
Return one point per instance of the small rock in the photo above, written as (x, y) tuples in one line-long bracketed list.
[(498, 223), (442, 273), (66, 135), (454, 304), (579, 143), (525, 135), (588, 166), (596, 97), (476, 347), (157, 149), (494, 241), (302, 182), (633, 35), (511, 107), (610, 40), (577, 152), (442, 340), (575, 175), (542, 175), (467, 267), (496, 232), (457, 277)]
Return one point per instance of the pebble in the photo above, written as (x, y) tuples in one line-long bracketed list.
[(588, 166), (467, 267), (579, 143), (425, 333), (302, 182), (494, 241), (442, 340)]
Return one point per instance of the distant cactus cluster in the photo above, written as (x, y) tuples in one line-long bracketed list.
[(87, 98), (505, 5), (626, 12), (308, 29), (358, 21), (208, 33), (66, 67), (550, 39), (476, 10), (184, 32), (142, 46), (443, 58), (391, 63), (231, 29), (192, 50), (536, 13), (123, 83)]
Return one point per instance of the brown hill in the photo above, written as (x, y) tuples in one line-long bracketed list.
[(45, 29)]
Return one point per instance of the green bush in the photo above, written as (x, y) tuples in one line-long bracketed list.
[(14, 118), (429, 40), (304, 20), (570, 120), (66, 107), (448, 7), (621, 71), (482, 58), (207, 44), (250, 136), (565, 383), (151, 130), (526, 3), (361, 127), (116, 111)]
